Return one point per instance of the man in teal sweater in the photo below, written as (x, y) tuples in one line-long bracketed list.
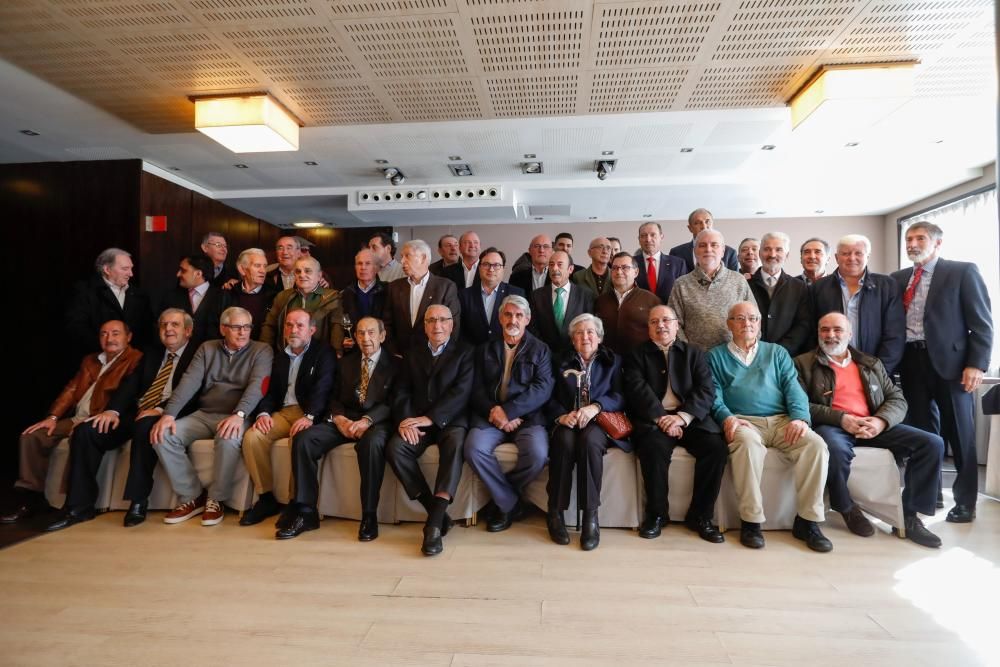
[(760, 404)]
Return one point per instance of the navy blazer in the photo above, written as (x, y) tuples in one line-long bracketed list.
[(344, 399), (125, 400), (436, 388), (543, 318), (475, 328), (958, 329), (605, 386), (786, 317), (312, 385), (530, 386), (646, 374), (522, 280), (686, 252), (671, 268), (881, 319)]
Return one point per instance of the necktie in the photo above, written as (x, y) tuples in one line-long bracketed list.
[(912, 289), (651, 275), (191, 297), (770, 285), (365, 377), (153, 395), (559, 307)]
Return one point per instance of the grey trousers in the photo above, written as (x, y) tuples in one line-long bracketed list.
[(173, 455)]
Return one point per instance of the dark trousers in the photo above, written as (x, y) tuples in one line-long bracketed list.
[(141, 462), (310, 445), (921, 478), (86, 450), (584, 449), (924, 390), (711, 454), (404, 459)]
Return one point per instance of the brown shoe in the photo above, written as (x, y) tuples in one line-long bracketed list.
[(857, 522), (187, 510), (214, 513)]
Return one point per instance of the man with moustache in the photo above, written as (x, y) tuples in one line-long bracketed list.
[(555, 305), (481, 303), (596, 277), (512, 384), (197, 297), (624, 309), (813, 255), (699, 220), (322, 303), (785, 306), (748, 254), (657, 272), (449, 253), (410, 297), (465, 272), (853, 402), (536, 275), (252, 293), (429, 406)]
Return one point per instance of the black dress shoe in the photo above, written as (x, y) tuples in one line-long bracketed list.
[(750, 535), (809, 532), (500, 520), (136, 514), (939, 504), (706, 530), (591, 536), (961, 514), (69, 518), (556, 524), (266, 506), (299, 523), (22, 511), (652, 525), (917, 532), (368, 530), (446, 524), (432, 544)]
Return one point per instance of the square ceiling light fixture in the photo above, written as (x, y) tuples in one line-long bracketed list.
[(849, 97), (247, 123)]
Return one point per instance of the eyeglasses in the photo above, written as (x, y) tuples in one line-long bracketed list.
[(238, 327), (540, 246), (623, 267), (749, 318), (491, 266), (601, 247), (437, 320), (217, 244)]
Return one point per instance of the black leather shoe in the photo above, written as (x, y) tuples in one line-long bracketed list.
[(136, 514), (287, 516), (751, 536), (706, 530), (591, 536), (446, 524), (266, 506), (501, 521), (69, 518), (961, 514), (299, 523), (940, 501), (652, 525), (557, 527), (917, 531), (22, 511), (368, 530), (432, 544), (809, 532), (857, 522)]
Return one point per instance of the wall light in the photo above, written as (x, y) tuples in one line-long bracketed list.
[(250, 123)]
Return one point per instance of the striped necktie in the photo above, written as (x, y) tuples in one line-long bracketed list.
[(154, 394)]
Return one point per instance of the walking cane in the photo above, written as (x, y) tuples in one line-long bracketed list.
[(581, 489)]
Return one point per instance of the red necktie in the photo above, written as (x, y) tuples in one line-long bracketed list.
[(912, 289), (651, 275)]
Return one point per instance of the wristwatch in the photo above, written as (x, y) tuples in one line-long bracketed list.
[(241, 414), (310, 417)]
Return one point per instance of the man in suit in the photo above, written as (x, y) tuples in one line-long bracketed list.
[(748, 255), (656, 269), (197, 297), (512, 385), (465, 272), (365, 297), (409, 298), (298, 392), (536, 275), (252, 293), (852, 402), (481, 303), (699, 220), (624, 309), (449, 253), (564, 241), (162, 368), (107, 296), (785, 306), (383, 246), (597, 276), (287, 250), (813, 255), (429, 407), (75, 415), (360, 413), (215, 247), (228, 377), (322, 303), (555, 305), (871, 302), (949, 335), (669, 399)]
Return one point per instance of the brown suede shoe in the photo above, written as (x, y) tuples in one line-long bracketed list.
[(857, 522)]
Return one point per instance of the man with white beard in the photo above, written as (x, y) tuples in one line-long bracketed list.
[(853, 401)]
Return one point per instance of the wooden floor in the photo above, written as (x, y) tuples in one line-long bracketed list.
[(98, 594)]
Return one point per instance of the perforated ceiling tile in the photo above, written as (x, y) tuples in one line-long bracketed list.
[(295, 53), (533, 96), (644, 34), (334, 105), (403, 48), (496, 142), (783, 28), (245, 11), (160, 114), (124, 14), (192, 61), (657, 137), (354, 9), (751, 86), (435, 100), (958, 76), (528, 42), (572, 140), (626, 91), (899, 27), (18, 17)]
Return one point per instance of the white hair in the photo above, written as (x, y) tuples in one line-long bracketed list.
[(855, 239)]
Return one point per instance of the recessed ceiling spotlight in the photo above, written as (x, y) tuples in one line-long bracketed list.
[(761, 212), (394, 175), (455, 158), (767, 147), (30, 133), (938, 141), (851, 144), (532, 167), (311, 163), (381, 162), (819, 210), (529, 156), (593, 217), (241, 166), (607, 152), (687, 150), (647, 215), (175, 169), (460, 169)]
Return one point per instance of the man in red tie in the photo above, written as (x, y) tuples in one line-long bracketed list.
[(657, 271)]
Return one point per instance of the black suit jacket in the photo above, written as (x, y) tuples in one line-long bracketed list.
[(646, 375), (312, 384), (958, 328), (344, 399), (126, 398), (456, 274), (273, 279), (543, 319), (475, 327), (671, 268), (786, 317), (206, 320), (686, 252), (227, 273), (400, 334), (522, 280), (438, 389), (93, 304)]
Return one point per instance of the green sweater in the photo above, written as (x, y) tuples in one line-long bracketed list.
[(769, 386)]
